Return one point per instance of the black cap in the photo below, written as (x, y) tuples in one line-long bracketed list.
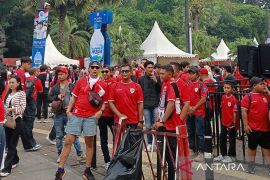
[(194, 69), (255, 80), (230, 80)]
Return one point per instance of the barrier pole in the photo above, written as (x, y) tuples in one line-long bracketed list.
[(118, 135)]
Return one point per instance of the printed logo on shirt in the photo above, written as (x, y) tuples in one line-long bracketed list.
[(205, 89), (196, 89), (132, 90), (264, 100), (229, 104)]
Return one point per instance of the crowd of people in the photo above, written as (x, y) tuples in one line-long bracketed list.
[(151, 96)]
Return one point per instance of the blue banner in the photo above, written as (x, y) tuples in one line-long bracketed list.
[(39, 37)]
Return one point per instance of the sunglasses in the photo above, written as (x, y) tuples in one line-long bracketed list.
[(125, 71), (105, 72), (94, 67)]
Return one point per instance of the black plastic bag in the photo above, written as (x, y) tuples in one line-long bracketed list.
[(127, 162)]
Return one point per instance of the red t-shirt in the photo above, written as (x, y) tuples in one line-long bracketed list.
[(82, 107), (257, 111), (228, 106), (2, 112), (126, 97), (38, 88), (107, 111), (243, 81), (21, 73), (185, 76), (171, 123), (196, 93)]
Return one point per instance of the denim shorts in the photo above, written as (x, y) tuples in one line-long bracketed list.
[(85, 126)]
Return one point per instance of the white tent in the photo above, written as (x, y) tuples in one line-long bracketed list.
[(157, 45), (222, 53), (53, 57)]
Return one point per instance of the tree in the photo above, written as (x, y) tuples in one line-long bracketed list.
[(76, 44), (2, 41)]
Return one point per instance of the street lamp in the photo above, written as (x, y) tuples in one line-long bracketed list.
[(188, 28)]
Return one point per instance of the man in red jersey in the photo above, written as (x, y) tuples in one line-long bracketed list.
[(33, 87), (196, 114), (140, 70), (256, 122), (26, 64), (107, 118), (83, 117), (171, 112), (126, 99)]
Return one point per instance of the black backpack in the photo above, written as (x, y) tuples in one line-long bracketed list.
[(30, 86)]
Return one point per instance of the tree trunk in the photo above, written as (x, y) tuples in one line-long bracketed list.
[(2, 41), (196, 22), (62, 16)]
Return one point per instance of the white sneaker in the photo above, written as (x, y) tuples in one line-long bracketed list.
[(52, 142), (219, 158), (39, 121), (200, 157), (107, 165), (4, 174), (58, 159), (228, 159), (14, 165), (149, 147)]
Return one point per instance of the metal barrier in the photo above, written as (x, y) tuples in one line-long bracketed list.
[(175, 154)]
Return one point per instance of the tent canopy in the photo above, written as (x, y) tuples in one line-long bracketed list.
[(157, 45), (53, 57), (222, 52)]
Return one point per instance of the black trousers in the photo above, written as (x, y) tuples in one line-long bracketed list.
[(42, 103), (173, 145), (28, 140), (232, 141), (103, 124), (12, 137)]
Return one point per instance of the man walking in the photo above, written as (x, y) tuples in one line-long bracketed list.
[(83, 116)]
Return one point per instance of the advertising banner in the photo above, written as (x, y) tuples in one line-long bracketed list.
[(39, 37)]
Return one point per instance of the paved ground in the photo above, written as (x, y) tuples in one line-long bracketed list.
[(41, 165)]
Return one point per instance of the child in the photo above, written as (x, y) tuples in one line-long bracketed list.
[(228, 114), (256, 122)]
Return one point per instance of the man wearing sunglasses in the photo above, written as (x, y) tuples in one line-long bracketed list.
[(126, 99), (83, 118), (107, 118)]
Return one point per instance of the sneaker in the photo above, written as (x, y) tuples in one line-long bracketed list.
[(107, 165), (228, 159), (60, 174), (45, 121), (199, 157), (35, 148), (39, 121), (4, 174), (250, 169), (149, 147), (50, 141), (81, 158), (58, 159), (88, 175), (14, 165), (218, 158)]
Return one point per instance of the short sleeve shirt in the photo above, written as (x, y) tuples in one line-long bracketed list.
[(126, 97), (228, 107), (257, 111)]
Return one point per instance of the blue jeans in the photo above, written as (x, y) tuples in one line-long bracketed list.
[(2, 143), (195, 126), (60, 121), (150, 115)]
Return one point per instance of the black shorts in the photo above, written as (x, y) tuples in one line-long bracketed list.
[(256, 138)]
